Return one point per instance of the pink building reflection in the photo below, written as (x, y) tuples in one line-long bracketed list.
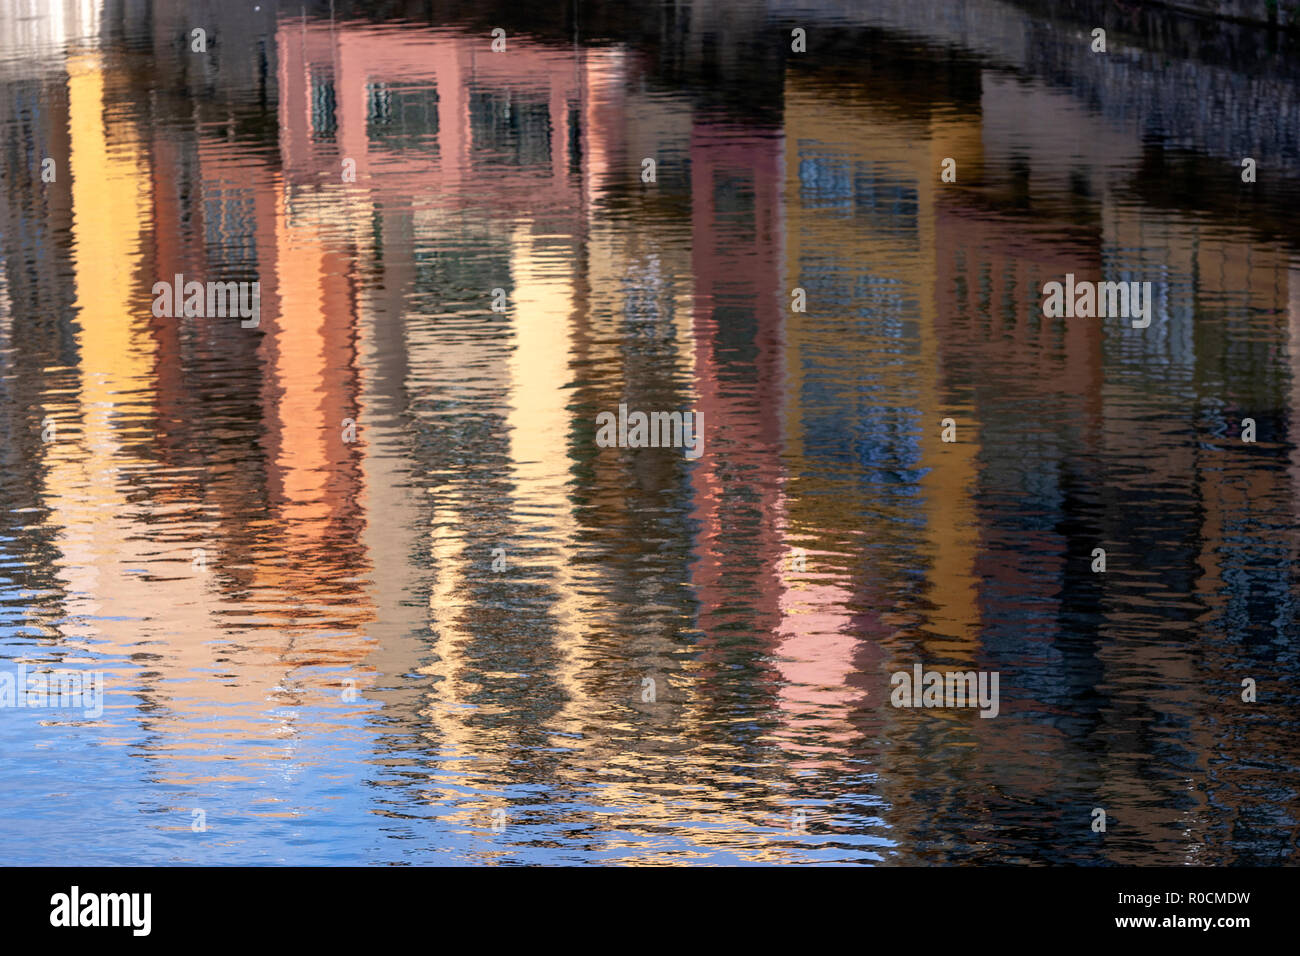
[(431, 117)]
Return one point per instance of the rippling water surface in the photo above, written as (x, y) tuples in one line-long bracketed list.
[(474, 635)]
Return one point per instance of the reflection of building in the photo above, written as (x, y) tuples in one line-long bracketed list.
[(426, 119), (101, 543), (38, 362), (430, 118), (736, 221), (120, 478), (1091, 459), (114, 556), (864, 241), (865, 395), (1293, 404), (425, 126)]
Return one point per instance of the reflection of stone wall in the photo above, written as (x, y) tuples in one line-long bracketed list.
[(1209, 109), (1283, 12), (1219, 90)]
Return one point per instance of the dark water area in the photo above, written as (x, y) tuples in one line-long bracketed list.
[(363, 583)]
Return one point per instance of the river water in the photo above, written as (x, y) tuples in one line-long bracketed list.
[(363, 587)]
